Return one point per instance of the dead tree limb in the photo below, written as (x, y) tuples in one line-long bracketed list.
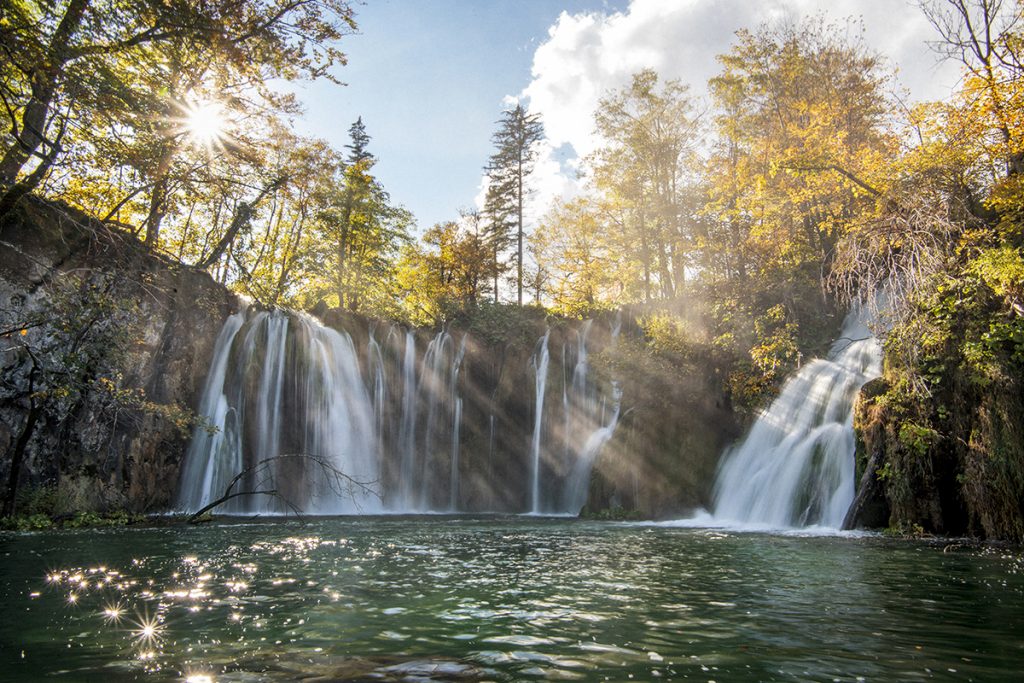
[(339, 482)]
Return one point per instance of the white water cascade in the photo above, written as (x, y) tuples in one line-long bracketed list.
[(214, 456), (796, 466), (283, 387), (407, 432), (579, 478), (540, 368), (257, 385), (563, 451), (456, 403), (587, 429)]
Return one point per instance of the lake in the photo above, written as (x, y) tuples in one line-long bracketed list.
[(501, 598)]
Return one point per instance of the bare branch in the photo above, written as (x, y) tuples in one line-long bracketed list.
[(338, 481)]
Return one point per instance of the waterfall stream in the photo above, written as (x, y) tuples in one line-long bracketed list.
[(300, 425), (288, 407), (540, 371), (795, 468), (295, 408)]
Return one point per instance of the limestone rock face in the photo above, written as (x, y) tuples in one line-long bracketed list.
[(58, 267)]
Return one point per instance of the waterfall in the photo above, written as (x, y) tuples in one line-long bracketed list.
[(586, 429), (796, 466), (289, 412), (377, 379), (456, 402), (434, 387), (578, 481), (490, 459), (540, 367), (213, 455), (407, 430), (287, 401)]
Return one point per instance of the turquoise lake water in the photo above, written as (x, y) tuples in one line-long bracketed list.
[(503, 599)]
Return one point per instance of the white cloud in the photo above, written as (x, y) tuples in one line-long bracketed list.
[(586, 55), (550, 181)]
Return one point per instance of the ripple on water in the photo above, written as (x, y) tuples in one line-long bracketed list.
[(499, 600)]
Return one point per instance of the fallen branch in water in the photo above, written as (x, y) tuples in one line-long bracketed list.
[(339, 482)]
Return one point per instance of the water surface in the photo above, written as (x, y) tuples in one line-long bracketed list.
[(501, 599)]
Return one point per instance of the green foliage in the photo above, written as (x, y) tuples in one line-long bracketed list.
[(918, 440), (70, 360), (46, 507), (80, 520), (503, 324), (613, 514), (39, 501), (776, 350), (954, 451), (26, 523)]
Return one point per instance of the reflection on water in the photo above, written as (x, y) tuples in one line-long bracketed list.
[(500, 599)]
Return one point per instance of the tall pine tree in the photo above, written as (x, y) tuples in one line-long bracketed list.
[(513, 159), (367, 230), (357, 181)]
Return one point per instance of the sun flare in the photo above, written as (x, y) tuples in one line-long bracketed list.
[(205, 123)]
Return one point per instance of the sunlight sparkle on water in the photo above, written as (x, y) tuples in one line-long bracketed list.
[(149, 630), (113, 613), (517, 600)]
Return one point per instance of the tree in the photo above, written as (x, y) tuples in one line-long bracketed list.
[(803, 134), (74, 66), (499, 233), (365, 231), (356, 195), (508, 169), (579, 254), (949, 207), (984, 35), (650, 137), (263, 472), (449, 275)]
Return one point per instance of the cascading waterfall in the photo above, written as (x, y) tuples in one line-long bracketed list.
[(377, 381), (796, 466), (577, 400), (407, 430), (540, 368), (285, 393), (586, 428), (268, 370), (490, 457), (579, 478), (456, 402), (214, 456)]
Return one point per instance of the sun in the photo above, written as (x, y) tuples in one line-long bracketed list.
[(205, 123)]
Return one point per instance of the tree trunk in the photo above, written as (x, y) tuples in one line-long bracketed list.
[(495, 272), (346, 224), (242, 215), (645, 254), (519, 235), (15, 192), (157, 209)]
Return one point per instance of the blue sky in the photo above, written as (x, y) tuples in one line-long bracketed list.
[(430, 77)]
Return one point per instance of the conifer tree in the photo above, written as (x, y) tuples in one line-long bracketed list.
[(513, 159)]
